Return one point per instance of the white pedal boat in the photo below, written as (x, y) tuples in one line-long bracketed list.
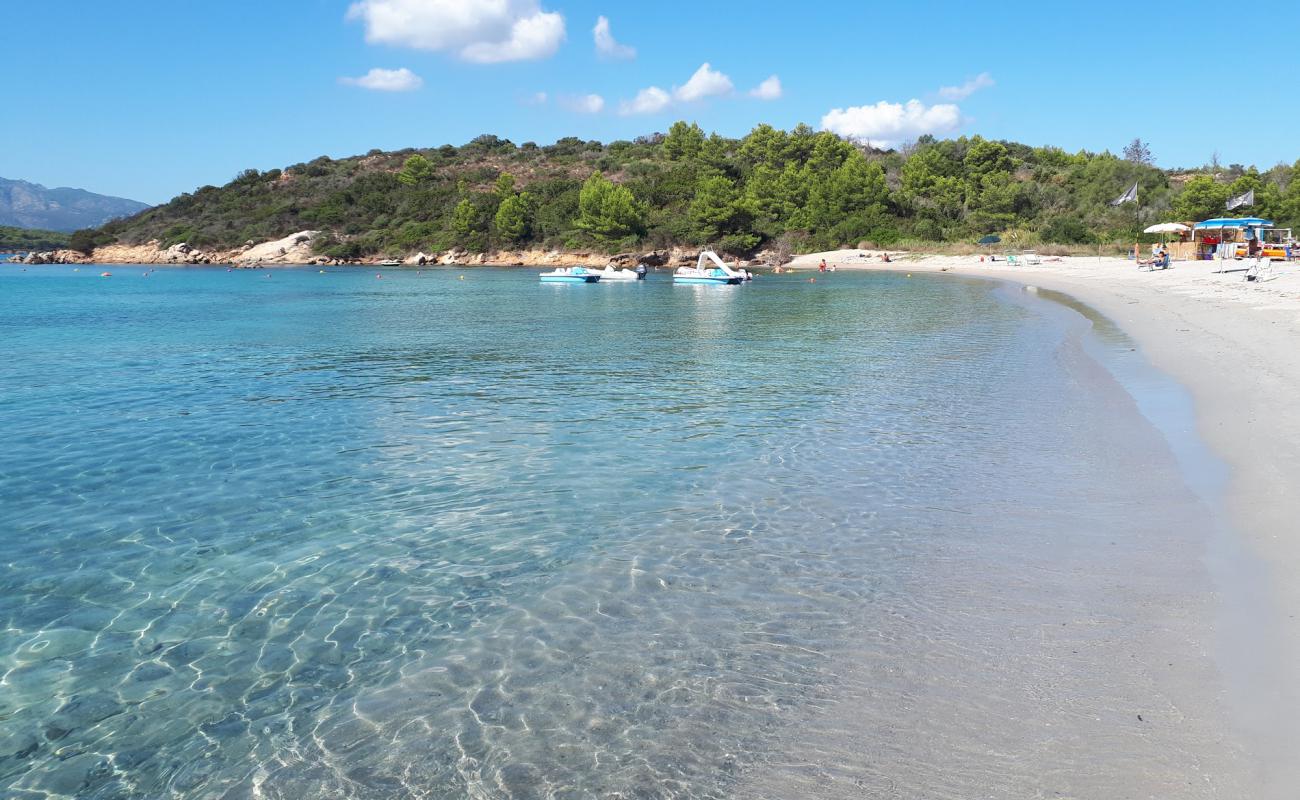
[(711, 270), (570, 275), (612, 274)]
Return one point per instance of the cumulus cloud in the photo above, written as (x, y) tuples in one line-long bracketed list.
[(970, 87), (584, 104), (483, 32), (769, 89), (386, 80), (706, 82), (890, 124), (647, 101), (606, 45)]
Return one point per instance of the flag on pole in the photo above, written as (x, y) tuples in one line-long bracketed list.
[(1247, 199), (1130, 196)]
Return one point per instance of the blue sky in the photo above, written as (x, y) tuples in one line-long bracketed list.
[(146, 99)]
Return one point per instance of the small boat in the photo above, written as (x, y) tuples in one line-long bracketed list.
[(390, 262), (613, 274), (570, 275), (719, 274)]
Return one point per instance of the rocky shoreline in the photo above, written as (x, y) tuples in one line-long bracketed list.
[(296, 250)]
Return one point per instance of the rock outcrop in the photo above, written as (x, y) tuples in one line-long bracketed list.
[(182, 253), (154, 253), (55, 257), (292, 249), (296, 249)]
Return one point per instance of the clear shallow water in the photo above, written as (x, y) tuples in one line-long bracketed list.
[(290, 534)]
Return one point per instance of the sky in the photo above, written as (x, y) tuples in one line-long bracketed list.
[(149, 98)]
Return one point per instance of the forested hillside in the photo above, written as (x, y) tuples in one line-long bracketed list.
[(25, 239), (799, 189)]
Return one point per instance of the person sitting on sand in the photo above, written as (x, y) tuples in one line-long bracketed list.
[(885, 258)]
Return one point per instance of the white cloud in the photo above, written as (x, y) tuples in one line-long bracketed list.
[(486, 32), (386, 80), (647, 101), (584, 104), (890, 124), (606, 45), (970, 87), (536, 99), (706, 82), (769, 89)]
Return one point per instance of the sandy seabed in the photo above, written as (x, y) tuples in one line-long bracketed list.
[(1235, 345)]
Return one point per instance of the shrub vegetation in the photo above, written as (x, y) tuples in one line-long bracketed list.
[(799, 189)]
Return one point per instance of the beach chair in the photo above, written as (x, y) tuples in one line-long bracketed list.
[(1259, 271), (1154, 264), (1031, 257), (1012, 260)]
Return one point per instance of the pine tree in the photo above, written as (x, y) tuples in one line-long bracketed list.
[(607, 212), (1138, 152), (415, 170)]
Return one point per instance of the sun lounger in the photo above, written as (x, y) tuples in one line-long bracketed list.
[(1258, 270), (1030, 257)]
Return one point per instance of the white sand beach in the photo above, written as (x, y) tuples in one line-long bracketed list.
[(1235, 345)]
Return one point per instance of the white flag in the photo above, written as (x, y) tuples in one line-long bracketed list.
[(1247, 199), (1130, 196)]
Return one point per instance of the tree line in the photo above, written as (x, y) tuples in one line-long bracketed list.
[(799, 189)]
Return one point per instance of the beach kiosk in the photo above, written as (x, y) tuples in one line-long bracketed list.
[(1228, 237)]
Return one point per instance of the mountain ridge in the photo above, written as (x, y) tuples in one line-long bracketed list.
[(24, 204)]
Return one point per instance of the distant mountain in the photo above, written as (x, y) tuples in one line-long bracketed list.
[(30, 205)]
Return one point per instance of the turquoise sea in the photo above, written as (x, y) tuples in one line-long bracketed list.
[(292, 534)]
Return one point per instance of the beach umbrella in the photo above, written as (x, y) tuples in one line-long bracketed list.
[(992, 238), (1166, 228)]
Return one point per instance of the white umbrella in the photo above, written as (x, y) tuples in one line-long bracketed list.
[(1168, 227)]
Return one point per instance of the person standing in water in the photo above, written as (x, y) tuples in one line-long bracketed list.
[(822, 266)]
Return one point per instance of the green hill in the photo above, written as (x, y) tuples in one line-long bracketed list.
[(24, 239), (800, 190)]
